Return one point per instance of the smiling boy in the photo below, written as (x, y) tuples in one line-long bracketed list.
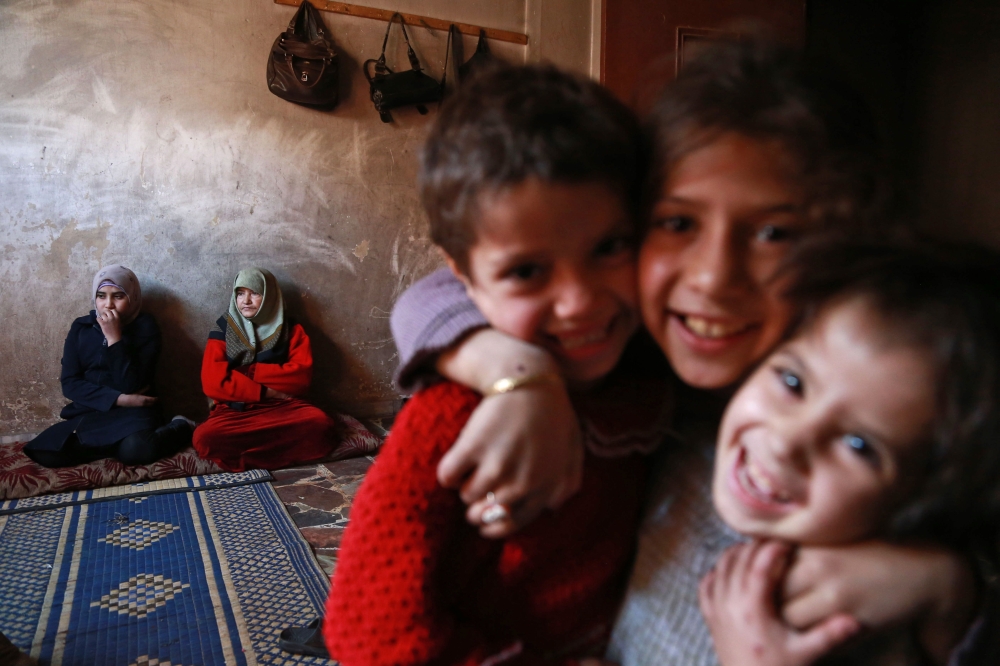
[(530, 180)]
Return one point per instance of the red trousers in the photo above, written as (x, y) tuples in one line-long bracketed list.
[(266, 435)]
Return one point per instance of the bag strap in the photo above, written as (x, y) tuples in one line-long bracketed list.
[(380, 68), (452, 29), (307, 8), (482, 46), (295, 18), (385, 70)]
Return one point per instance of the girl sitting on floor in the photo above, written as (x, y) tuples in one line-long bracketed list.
[(108, 363), (256, 367)]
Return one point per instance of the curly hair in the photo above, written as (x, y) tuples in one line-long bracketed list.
[(944, 299), (765, 91), (512, 123)]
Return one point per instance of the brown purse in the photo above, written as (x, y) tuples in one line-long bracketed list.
[(302, 67)]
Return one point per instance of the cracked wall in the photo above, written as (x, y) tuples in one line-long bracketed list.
[(143, 133)]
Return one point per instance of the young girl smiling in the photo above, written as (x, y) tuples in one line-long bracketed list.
[(877, 418)]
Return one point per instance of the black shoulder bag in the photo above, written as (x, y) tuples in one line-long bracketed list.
[(391, 90), (302, 67)]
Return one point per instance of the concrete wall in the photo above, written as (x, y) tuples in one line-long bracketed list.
[(143, 133)]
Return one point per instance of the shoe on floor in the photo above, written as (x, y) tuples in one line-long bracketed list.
[(304, 640), (181, 417), (9, 654)]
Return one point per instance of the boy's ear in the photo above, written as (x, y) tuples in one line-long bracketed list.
[(453, 266)]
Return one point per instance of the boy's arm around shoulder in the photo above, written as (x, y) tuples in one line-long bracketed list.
[(433, 315), (524, 445), (401, 563), (387, 604)]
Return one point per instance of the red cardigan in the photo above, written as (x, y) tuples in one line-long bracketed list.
[(248, 383), (416, 584)]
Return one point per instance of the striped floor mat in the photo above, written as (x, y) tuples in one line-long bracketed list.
[(190, 572)]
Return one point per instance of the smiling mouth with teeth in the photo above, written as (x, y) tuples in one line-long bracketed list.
[(593, 337), (712, 330), (758, 484), (575, 342)]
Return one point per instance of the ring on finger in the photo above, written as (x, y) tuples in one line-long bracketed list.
[(494, 511)]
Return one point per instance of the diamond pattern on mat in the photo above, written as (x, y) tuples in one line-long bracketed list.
[(139, 534), (141, 595), (234, 477), (270, 603), (28, 550), (45, 500)]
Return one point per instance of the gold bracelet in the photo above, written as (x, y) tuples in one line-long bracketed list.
[(508, 384)]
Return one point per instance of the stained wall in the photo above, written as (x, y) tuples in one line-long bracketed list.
[(143, 133)]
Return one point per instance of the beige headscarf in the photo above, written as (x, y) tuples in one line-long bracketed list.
[(117, 275), (245, 338)]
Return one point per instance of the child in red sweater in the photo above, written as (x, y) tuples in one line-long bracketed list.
[(530, 180)]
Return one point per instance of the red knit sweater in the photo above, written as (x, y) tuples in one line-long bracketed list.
[(416, 584)]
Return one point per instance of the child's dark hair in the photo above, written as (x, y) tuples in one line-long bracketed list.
[(768, 92), (512, 123), (944, 299)]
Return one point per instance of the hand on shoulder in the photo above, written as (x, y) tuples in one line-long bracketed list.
[(883, 584)]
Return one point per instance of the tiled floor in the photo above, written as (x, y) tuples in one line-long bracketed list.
[(318, 498)]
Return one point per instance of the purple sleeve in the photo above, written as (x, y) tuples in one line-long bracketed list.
[(430, 317), (981, 644)]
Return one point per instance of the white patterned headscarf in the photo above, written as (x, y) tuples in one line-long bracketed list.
[(245, 338)]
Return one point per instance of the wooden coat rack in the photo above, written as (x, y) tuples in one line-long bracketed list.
[(411, 19)]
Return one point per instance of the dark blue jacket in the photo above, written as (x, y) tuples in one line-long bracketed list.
[(94, 375)]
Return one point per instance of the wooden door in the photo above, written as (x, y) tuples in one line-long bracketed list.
[(644, 42)]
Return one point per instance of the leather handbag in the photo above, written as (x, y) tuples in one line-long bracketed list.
[(302, 67), (390, 90)]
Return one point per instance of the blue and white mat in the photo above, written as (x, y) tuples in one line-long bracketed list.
[(190, 572)]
